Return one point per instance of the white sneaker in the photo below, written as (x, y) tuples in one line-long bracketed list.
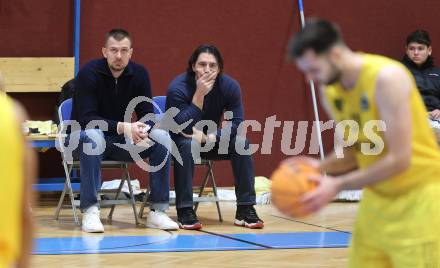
[(91, 222), (160, 220)]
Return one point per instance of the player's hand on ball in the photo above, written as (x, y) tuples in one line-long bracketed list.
[(290, 182), (327, 188)]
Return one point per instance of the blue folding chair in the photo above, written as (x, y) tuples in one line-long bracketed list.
[(64, 113), (159, 109)]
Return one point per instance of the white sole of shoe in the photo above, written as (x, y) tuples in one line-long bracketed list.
[(242, 223), (154, 226), (92, 231), (197, 226)]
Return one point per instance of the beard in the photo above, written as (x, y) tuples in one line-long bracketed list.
[(335, 76)]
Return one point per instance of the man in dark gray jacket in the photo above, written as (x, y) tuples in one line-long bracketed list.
[(420, 62)]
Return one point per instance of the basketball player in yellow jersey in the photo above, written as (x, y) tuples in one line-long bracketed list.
[(17, 170), (397, 161)]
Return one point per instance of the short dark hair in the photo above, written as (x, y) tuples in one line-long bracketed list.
[(419, 36), (318, 35), (205, 48), (118, 34)]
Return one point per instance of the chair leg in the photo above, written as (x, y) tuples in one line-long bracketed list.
[(203, 186), (67, 170), (110, 215), (60, 202), (214, 188), (144, 203), (133, 201)]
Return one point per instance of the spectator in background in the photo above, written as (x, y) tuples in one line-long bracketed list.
[(204, 92), (419, 60), (103, 90)]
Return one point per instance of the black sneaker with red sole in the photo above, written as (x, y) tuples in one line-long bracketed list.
[(187, 219), (246, 216)]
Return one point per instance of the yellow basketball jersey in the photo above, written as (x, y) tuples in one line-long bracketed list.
[(11, 183), (359, 104)]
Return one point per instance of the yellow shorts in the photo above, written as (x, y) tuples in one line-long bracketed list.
[(401, 232)]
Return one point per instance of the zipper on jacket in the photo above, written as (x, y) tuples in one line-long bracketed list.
[(116, 86)]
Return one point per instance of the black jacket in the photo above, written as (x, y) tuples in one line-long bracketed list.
[(99, 96), (427, 79)]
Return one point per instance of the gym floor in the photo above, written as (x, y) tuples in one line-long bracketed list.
[(320, 240)]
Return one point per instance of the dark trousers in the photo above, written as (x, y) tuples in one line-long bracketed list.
[(90, 168), (242, 167)]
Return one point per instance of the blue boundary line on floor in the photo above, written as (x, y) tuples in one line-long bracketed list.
[(100, 244), (297, 240), (124, 244)]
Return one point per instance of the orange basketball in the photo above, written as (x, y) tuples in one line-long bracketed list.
[(289, 183)]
